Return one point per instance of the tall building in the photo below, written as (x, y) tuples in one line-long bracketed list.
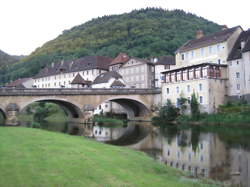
[(239, 68), (136, 72), (201, 68)]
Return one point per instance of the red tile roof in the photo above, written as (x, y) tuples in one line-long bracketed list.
[(120, 59)]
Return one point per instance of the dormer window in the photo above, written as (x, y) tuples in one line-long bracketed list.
[(182, 56)]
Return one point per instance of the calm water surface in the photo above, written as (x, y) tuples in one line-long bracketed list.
[(220, 153)]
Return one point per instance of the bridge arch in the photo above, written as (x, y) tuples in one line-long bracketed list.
[(73, 110), (134, 107), (3, 114)]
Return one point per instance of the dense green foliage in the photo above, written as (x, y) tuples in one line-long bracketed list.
[(194, 107), (33, 157), (142, 33), (167, 113)]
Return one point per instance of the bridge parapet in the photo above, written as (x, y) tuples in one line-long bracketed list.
[(74, 91)]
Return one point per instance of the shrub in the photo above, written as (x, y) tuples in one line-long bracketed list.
[(36, 125)]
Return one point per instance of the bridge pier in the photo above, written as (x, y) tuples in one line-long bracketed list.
[(12, 111)]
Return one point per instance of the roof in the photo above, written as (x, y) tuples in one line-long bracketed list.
[(120, 59), (18, 83), (81, 64), (118, 83), (79, 80), (211, 39), (193, 66), (236, 52), (166, 60), (105, 77), (247, 46)]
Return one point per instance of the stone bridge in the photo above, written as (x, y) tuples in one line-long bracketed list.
[(78, 102)]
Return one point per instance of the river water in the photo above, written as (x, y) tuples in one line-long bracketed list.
[(221, 153)]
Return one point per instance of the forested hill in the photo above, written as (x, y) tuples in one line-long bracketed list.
[(141, 33), (7, 60)]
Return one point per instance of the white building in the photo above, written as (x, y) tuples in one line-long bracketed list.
[(201, 68), (239, 68), (110, 79), (164, 63), (63, 73)]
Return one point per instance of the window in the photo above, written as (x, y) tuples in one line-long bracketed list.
[(218, 47), (237, 74), (189, 156), (167, 90), (201, 99), (218, 61), (200, 87), (188, 88), (202, 51), (238, 86), (177, 89), (210, 49), (182, 56), (192, 54), (237, 62), (201, 158)]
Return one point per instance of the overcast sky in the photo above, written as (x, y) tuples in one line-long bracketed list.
[(28, 24)]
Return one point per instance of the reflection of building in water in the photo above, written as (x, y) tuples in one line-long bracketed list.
[(207, 159), (240, 167), (108, 133)]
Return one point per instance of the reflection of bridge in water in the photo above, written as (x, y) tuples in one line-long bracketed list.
[(78, 102)]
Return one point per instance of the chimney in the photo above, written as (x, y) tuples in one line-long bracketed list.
[(199, 34), (224, 27), (242, 44)]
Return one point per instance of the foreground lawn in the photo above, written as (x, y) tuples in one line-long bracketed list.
[(32, 157)]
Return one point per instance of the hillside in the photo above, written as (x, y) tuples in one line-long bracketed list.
[(141, 33), (7, 61), (31, 157)]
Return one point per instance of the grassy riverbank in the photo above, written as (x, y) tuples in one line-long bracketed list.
[(33, 157), (108, 121)]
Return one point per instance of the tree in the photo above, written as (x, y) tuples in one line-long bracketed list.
[(41, 112), (194, 105), (182, 104)]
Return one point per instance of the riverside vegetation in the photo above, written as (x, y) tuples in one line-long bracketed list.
[(230, 113), (34, 157)]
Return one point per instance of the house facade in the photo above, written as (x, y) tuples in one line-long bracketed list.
[(61, 75), (239, 69), (136, 72), (162, 64), (201, 68)]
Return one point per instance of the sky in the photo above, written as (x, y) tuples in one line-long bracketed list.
[(27, 24)]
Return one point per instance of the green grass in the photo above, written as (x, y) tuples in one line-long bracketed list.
[(106, 121), (33, 157)]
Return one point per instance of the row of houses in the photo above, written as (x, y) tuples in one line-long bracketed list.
[(215, 67)]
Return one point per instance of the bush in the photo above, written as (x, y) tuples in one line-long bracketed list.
[(36, 125)]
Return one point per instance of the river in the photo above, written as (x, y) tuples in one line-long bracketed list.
[(221, 153)]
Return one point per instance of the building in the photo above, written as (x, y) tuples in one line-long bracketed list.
[(111, 79), (61, 75), (164, 63), (21, 83), (201, 68), (239, 69), (136, 72)]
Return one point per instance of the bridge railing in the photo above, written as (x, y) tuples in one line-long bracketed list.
[(76, 91)]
